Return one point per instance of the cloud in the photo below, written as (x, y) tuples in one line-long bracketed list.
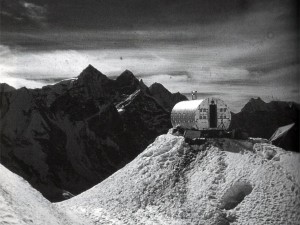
[(19, 82), (179, 68), (134, 14), (143, 15), (234, 49), (35, 12), (22, 15)]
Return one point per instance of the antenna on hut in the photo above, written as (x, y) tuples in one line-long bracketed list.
[(194, 95)]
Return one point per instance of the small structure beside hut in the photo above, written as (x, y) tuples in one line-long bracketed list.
[(287, 137)]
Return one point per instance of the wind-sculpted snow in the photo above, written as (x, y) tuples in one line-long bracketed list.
[(21, 204), (221, 182)]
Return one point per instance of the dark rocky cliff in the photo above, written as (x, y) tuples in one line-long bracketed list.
[(261, 119), (67, 137)]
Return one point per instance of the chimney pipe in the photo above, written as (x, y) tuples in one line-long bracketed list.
[(194, 95)]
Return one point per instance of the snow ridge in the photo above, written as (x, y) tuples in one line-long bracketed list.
[(221, 182)]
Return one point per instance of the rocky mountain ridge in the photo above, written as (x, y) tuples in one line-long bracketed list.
[(164, 97), (65, 138), (261, 119)]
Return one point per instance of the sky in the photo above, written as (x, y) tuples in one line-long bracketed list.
[(232, 49)]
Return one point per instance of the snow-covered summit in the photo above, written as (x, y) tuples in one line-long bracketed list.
[(221, 182)]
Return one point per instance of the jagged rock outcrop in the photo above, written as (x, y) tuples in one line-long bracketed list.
[(67, 137), (165, 98), (127, 82), (6, 88), (260, 119), (255, 105)]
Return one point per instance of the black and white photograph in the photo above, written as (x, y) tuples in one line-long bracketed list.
[(149, 112)]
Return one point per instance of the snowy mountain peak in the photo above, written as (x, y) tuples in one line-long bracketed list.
[(128, 80), (157, 87), (90, 68), (165, 98), (91, 73), (143, 86), (70, 136), (255, 105), (258, 99), (126, 74)]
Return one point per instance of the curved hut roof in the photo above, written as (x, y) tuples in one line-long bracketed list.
[(191, 105)]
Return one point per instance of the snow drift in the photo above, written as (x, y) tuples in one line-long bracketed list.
[(21, 204), (221, 182)]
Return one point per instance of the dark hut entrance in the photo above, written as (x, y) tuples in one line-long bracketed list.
[(213, 116)]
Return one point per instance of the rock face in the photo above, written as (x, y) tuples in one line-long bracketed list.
[(222, 182), (6, 88), (260, 119), (255, 105), (165, 98), (67, 137)]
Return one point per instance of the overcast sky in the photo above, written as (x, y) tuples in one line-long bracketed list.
[(235, 49)]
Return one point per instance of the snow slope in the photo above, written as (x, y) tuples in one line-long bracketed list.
[(221, 182), (21, 204)]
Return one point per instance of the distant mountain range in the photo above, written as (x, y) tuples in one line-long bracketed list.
[(261, 119), (65, 138)]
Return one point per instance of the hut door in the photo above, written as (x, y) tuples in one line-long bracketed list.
[(213, 117)]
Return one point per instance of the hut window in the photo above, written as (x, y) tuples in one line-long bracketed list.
[(204, 117), (200, 117), (224, 109), (221, 110)]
